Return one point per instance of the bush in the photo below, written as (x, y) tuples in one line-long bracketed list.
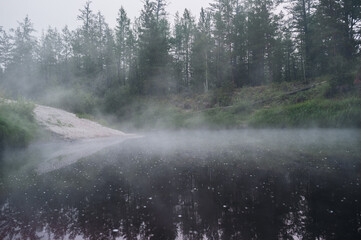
[(342, 79), (17, 124), (223, 96), (79, 102), (74, 100), (116, 100)]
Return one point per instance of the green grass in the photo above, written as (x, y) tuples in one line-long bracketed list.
[(17, 124), (85, 116), (263, 106), (222, 119), (338, 113), (158, 116), (271, 106)]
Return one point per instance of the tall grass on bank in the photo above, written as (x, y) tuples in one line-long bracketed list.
[(313, 113), (17, 124)]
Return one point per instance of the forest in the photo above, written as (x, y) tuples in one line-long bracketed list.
[(241, 121), (229, 45)]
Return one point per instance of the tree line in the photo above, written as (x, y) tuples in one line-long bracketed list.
[(232, 43)]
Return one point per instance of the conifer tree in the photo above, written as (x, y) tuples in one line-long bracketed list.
[(122, 33), (201, 53)]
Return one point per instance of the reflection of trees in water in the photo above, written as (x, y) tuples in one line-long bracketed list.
[(158, 197), (336, 208)]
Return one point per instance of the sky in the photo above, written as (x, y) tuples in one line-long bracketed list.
[(58, 13)]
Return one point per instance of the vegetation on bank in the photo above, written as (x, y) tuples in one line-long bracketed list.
[(274, 106), (278, 105), (17, 124), (311, 113)]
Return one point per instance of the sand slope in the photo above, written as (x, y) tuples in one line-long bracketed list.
[(69, 126), (82, 137)]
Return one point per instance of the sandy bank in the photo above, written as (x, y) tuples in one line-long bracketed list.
[(69, 126)]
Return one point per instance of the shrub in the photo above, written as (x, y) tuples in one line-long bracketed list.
[(223, 96), (17, 124), (342, 79)]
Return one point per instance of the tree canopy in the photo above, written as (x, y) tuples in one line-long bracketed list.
[(231, 43)]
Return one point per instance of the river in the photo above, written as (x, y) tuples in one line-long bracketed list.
[(232, 184)]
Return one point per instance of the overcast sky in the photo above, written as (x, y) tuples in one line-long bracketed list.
[(58, 13)]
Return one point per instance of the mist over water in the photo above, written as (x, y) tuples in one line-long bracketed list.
[(234, 64), (233, 184)]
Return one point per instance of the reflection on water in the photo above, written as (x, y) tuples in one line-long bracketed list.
[(223, 185)]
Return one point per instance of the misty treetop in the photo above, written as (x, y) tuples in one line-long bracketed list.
[(231, 43)]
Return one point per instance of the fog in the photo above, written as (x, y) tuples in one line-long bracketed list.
[(238, 127), (258, 145)]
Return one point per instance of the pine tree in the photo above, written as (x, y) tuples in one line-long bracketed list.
[(182, 45), (240, 49), (337, 31), (67, 44), (201, 54), (50, 56), (22, 66), (84, 45), (123, 33), (177, 51), (223, 15), (6, 47), (154, 47), (261, 30), (67, 56), (24, 44), (188, 27), (339, 26), (302, 19)]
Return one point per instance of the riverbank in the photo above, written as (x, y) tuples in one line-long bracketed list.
[(286, 105), (22, 122)]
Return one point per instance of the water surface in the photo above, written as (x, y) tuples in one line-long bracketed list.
[(245, 184)]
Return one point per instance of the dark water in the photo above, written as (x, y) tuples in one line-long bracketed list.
[(196, 185)]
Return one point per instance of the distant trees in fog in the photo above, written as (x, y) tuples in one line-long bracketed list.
[(230, 44)]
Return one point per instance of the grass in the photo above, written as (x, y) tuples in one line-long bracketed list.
[(17, 124), (85, 116), (258, 107), (156, 116), (311, 113), (264, 106)]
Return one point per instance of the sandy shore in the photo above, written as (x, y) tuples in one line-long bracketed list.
[(69, 126), (87, 137)]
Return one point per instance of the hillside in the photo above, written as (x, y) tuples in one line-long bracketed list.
[(280, 105)]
